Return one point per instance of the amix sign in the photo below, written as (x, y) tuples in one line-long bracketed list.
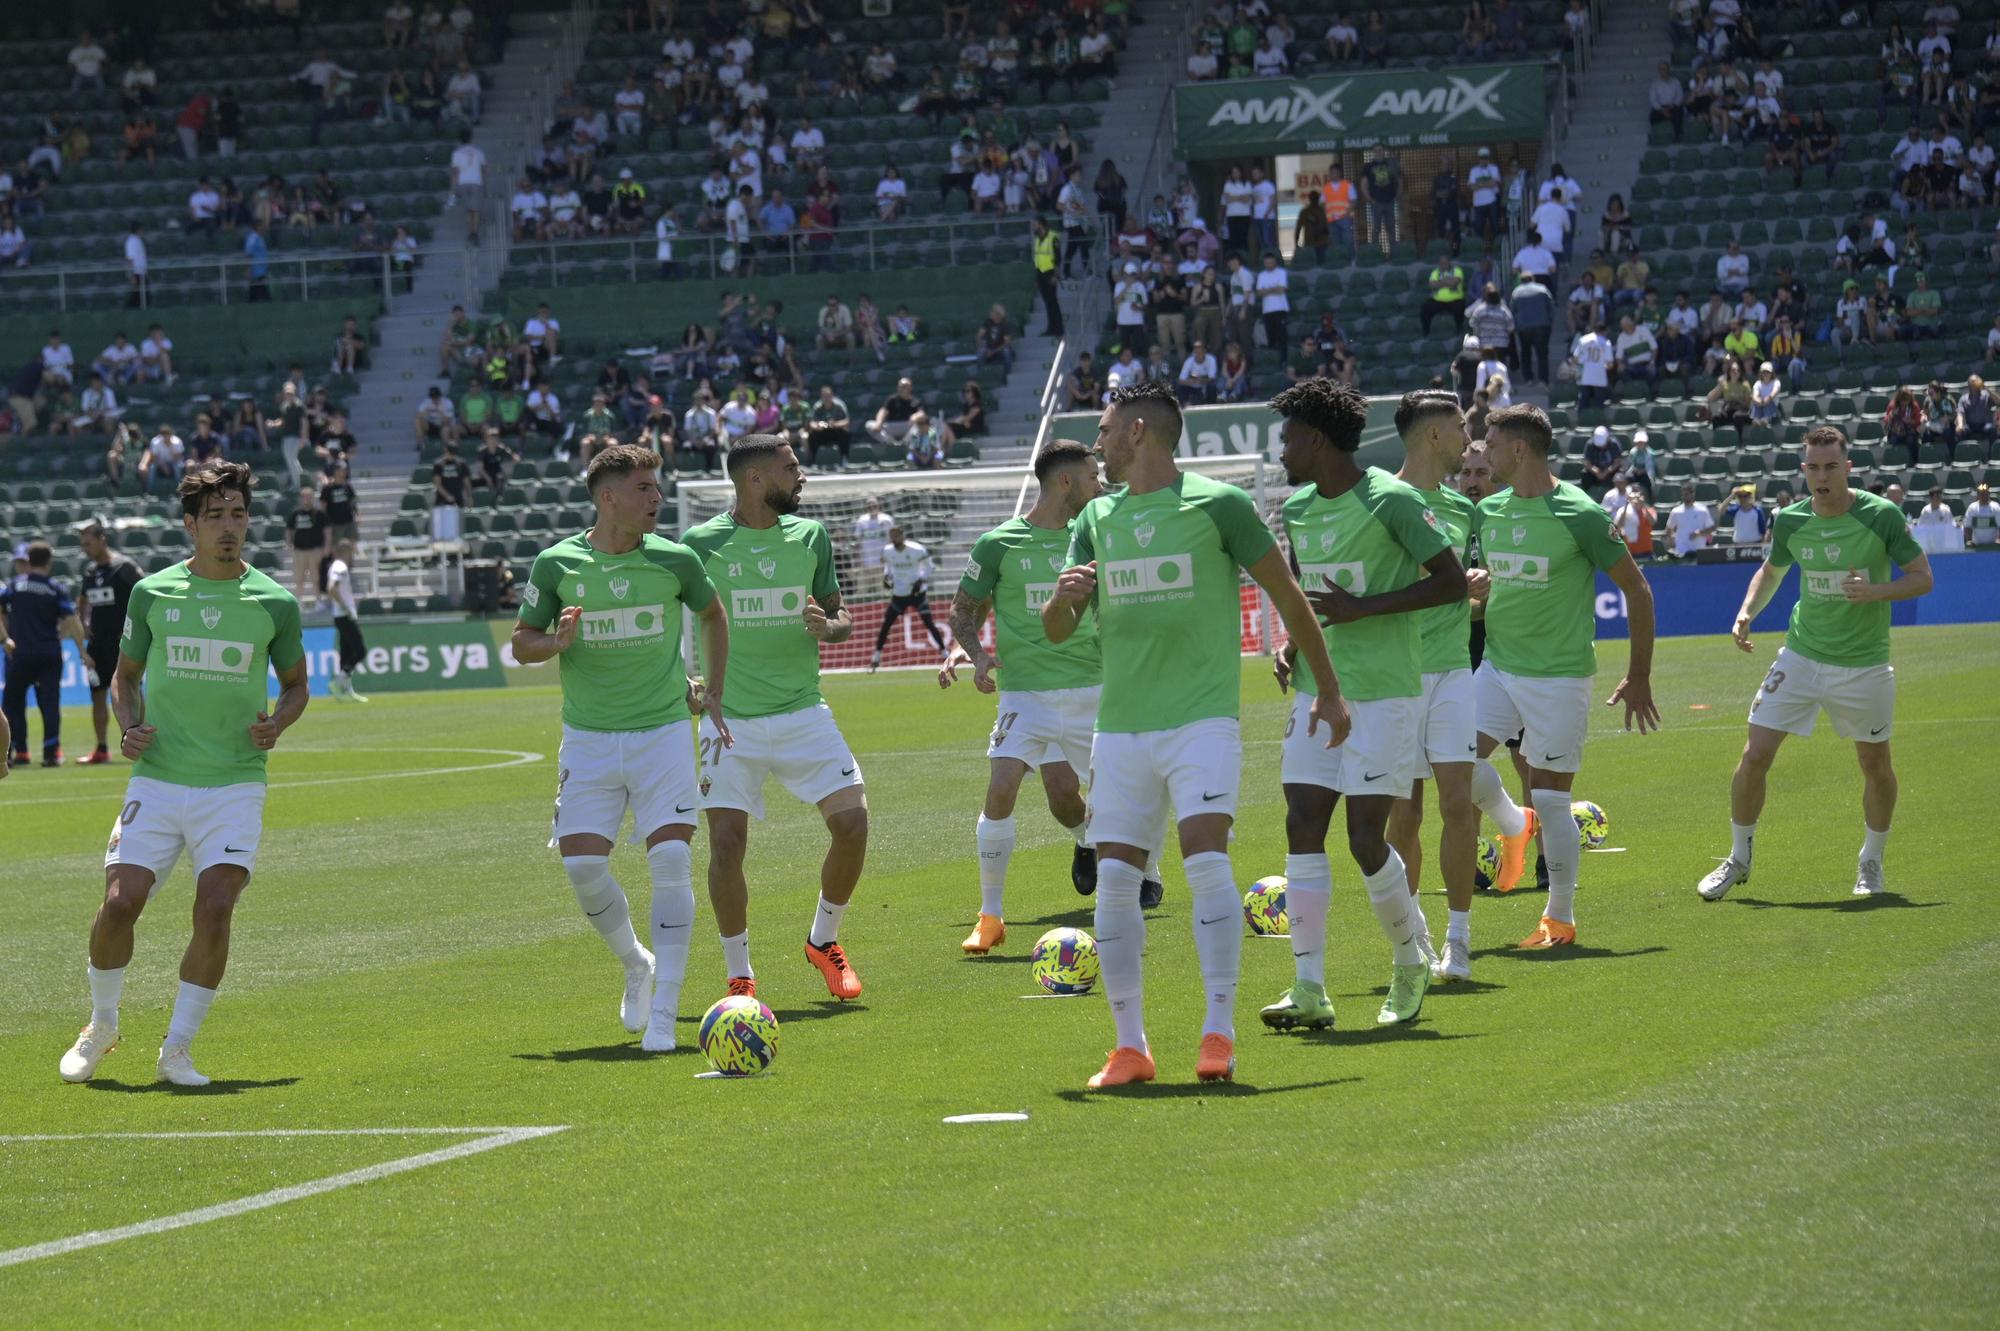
[(1395, 108)]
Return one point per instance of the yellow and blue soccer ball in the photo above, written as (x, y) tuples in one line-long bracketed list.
[(740, 1037), (1489, 857), (1064, 962), (1593, 825), (1264, 907)]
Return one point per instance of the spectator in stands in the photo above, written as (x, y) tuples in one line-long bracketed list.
[(14, 245), (970, 422), (701, 429), (544, 410), (141, 139), (1586, 303), (1533, 307), (1788, 351), (1940, 415), (528, 211), (923, 444), (1444, 293), (892, 418), (118, 363), (1601, 461), (1666, 100), (468, 181), (1614, 226), (830, 427), (58, 361), (1690, 526), (162, 461), (1743, 343), (1551, 224), (1729, 400), (1492, 324), (1885, 314), (86, 62), (1476, 36), (1273, 286), (1732, 271), (1982, 520), (1636, 352), (1924, 310), (1592, 354), (1752, 310), (1765, 392), (1748, 522), (436, 419), (836, 324), (1382, 180), (98, 411), (1976, 413), (994, 338)]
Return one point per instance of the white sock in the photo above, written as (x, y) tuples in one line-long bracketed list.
[(1741, 837), (826, 922), (1562, 850), (996, 847), (1395, 909), (105, 987), (1121, 942), (1417, 908), (189, 1009), (1490, 794), (1080, 832), (1151, 873), (1218, 936), (1458, 926), (1874, 843), (736, 956), (1308, 897), (604, 905), (672, 863)]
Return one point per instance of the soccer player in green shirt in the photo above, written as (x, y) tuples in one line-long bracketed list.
[(607, 602), (201, 635), (1048, 693), (1161, 559), (1543, 542), (776, 571), (1434, 449), (1370, 555), (1846, 543)]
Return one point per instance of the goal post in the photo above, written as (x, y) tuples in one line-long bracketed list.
[(946, 511)]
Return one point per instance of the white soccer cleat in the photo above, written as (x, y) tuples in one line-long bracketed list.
[(1721, 878), (178, 1068), (1868, 879), (1455, 964), (1427, 949), (92, 1044), (659, 1036), (637, 1004)]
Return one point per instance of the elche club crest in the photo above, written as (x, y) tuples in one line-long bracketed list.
[(768, 567), (210, 616), (1143, 534), (621, 587), (1519, 534), (1327, 538), (1055, 563), (1833, 554)]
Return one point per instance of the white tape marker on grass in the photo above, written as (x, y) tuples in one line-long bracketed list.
[(485, 1139), (986, 1118)]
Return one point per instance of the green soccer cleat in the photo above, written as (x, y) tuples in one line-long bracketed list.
[(1407, 987), (1304, 1005)]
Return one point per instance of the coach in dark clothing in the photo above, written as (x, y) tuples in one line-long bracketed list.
[(36, 614), (108, 579)]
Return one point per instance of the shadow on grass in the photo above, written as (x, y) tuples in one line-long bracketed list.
[(220, 1086), (628, 1052), (1445, 990), (1850, 904), (1080, 918), (1572, 952), (1396, 1034), (1000, 958), (825, 1007), (1180, 1090)]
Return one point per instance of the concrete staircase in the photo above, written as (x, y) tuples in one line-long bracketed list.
[(1608, 129)]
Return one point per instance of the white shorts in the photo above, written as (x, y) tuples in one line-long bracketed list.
[(216, 825), (1448, 733), (601, 773), (1555, 713), (1136, 779), (1860, 699), (1049, 726), (803, 749), (1380, 755)]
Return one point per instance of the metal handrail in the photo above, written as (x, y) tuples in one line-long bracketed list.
[(1050, 400)]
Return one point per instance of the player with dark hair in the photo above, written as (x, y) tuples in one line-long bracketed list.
[(776, 571), (36, 614), (1161, 559), (201, 636), (608, 602), (1370, 555), (1847, 544), (108, 580), (1543, 542)]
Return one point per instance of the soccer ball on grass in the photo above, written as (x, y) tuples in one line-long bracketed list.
[(1593, 825), (1064, 961), (740, 1037), (1264, 907), (1489, 857)]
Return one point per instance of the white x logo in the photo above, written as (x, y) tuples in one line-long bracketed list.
[(1323, 107), (1470, 97)]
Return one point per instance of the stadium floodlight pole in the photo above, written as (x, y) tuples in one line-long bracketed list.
[(1048, 418)]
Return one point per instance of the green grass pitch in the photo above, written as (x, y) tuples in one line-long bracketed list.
[(1772, 1111)]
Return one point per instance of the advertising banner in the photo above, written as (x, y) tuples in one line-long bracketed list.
[(1399, 108)]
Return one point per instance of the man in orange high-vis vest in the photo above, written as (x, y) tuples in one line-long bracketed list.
[(1338, 195)]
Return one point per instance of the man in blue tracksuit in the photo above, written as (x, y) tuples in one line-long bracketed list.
[(36, 614)]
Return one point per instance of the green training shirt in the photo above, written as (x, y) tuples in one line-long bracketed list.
[(1445, 631), (1543, 555), (624, 671), (1015, 566), (207, 646), (765, 575), (1871, 536), (1372, 539), (1170, 616)]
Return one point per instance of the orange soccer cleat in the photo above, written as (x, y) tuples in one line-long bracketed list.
[(742, 986), (1217, 1061), (989, 933), (1551, 933), (841, 979), (1124, 1066), (1514, 854)]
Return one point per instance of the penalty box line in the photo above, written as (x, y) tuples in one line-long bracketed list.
[(484, 1139)]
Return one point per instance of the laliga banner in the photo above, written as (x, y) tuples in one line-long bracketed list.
[(1401, 108)]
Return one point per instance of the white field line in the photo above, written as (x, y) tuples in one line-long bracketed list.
[(513, 758), (96, 1238)]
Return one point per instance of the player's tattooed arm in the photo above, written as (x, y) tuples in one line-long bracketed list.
[(968, 615), (827, 619)]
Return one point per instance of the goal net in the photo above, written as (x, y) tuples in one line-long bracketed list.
[(945, 512)]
